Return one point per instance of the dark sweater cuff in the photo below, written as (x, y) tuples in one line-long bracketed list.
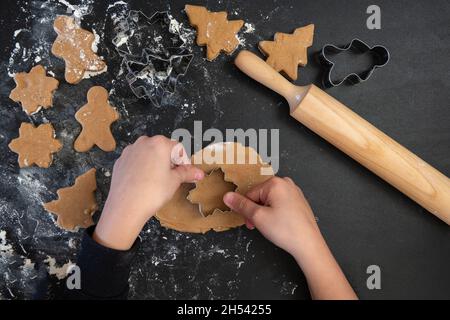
[(104, 271)]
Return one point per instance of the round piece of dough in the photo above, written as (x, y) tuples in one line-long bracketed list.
[(240, 165)]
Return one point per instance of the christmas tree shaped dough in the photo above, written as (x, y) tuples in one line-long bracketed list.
[(182, 215), (214, 30), (34, 89), (288, 51), (74, 45), (96, 118), (35, 145), (76, 204)]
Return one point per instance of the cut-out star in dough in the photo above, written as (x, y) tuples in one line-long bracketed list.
[(214, 30), (35, 145), (75, 204), (96, 118), (208, 193), (74, 45), (34, 89), (288, 51)]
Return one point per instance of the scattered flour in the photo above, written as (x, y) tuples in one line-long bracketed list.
[(5, 248), (249, 28), (30, 187), (54, 270), (78, 11), (72, 243), (16, 33), (28, 265), (90, 74), (94, 45), (115, 4)]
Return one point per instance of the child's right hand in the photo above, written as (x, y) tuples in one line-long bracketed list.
[(279, 210)]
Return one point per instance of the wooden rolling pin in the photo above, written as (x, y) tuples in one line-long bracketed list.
[(356, 137)]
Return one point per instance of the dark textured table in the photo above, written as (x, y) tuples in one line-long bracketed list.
[(364, 220)]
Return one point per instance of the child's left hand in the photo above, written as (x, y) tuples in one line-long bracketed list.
[(144, 178)]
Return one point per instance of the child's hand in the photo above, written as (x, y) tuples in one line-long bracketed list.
[(278, 209), (144, 178)]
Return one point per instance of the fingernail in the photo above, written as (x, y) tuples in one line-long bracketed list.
[(199, 176), (228, 198)]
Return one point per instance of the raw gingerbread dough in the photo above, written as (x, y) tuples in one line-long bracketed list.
[(182, 215), (76, 204), (207, 198), (214, 30), (287, 51), (96, 118), (34, 89), (74, 45), (35, 145)]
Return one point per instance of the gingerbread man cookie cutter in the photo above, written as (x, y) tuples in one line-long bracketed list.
[(380, 55)]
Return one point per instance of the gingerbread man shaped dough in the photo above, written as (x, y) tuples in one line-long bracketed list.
[(74, 45), (96, 118)]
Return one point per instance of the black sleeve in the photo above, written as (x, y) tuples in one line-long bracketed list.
[(104, 271)]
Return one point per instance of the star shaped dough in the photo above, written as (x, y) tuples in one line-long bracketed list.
[(74, 45), (96, 118), (75, 204), (214, 30), (35, 145), (34, 89), (287, 51), (208, 193)]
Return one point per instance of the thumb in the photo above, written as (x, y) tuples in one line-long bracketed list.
[(241, 204), (188, 173)]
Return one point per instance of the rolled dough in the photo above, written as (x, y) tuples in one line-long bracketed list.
[(181, 215)]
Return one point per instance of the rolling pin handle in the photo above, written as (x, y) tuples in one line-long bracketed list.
[(259, 70)]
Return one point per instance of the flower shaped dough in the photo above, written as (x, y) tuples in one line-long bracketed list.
[(35, 145), (34, 89)]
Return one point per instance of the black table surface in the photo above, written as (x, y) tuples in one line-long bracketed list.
[(364, 220)]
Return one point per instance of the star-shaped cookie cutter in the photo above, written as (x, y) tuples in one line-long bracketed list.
[(153, 67), (380, 55)]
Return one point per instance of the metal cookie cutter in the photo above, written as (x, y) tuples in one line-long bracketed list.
[(154, 53), (379, 53)]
